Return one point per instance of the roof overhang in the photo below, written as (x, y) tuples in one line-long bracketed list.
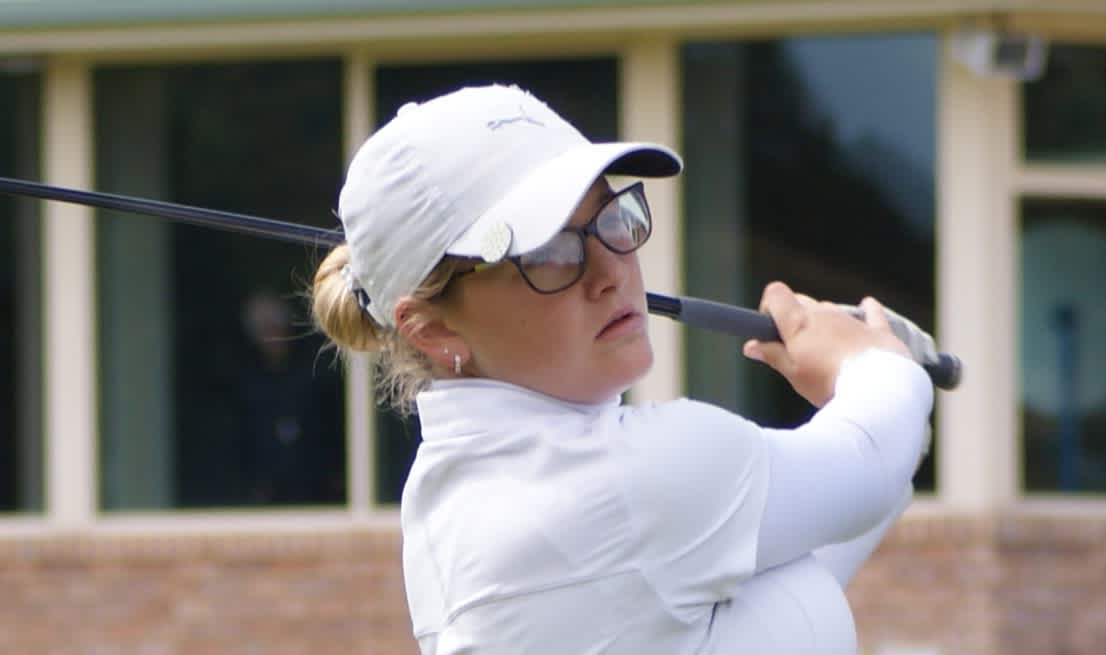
[(60, 26)]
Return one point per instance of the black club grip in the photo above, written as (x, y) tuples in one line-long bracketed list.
[(945, 371)]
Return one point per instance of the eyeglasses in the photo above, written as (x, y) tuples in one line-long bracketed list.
[(623, 224)]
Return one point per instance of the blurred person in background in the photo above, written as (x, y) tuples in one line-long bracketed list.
[(283, 410)]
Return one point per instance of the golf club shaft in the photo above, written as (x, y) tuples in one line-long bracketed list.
[(695, 312), (213, 218)]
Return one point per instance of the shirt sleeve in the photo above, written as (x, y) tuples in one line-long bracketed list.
[(836, 477), (844, 559), (716, 498)]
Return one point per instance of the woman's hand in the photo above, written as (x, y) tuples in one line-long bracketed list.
[(815, 338)]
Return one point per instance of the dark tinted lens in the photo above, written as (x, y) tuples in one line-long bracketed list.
[(624, 223), (555, 265)]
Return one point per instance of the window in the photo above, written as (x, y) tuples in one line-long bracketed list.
[(810, 160), (1063, 320), (1065, 111), (1062, 264), (584, 91), (21, 456), (213, 391)]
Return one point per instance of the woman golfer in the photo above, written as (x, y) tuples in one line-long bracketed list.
[(493, 267)]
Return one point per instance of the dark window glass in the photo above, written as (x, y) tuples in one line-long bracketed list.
[(1065, 110), (213, 392), (21, 463), (584, 91), (1063, 352), (811, 161)]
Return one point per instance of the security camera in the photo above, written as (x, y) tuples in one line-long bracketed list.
[(1001, 54)]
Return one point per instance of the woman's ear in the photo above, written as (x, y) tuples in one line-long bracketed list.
[(423, 325)]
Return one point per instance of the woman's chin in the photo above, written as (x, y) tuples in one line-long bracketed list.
[(632, 370)]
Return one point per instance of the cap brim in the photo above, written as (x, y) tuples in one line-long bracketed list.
[(543, 201)]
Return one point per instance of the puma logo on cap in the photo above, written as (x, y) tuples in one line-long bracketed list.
[(522, 117)]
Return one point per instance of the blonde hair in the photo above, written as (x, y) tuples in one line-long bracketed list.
[(400, 369)]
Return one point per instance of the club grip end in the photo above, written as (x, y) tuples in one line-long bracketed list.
[(945, 372)]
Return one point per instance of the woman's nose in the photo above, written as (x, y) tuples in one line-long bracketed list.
[(606, 269)]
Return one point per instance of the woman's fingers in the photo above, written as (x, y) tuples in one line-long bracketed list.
[(771, 353), (781, 303), (874, 315), (816, 337)]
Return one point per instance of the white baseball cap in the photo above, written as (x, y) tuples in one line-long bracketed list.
[(485, 172)]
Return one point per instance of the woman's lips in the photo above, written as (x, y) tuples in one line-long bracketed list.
[(625, 322)]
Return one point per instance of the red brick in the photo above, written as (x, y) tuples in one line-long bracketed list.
[(961, 586)]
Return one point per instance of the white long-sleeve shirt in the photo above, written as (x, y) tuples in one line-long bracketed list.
[(536, 526)]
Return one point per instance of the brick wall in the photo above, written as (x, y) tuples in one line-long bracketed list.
[(1012, 585), (954, 586), (257, 594)]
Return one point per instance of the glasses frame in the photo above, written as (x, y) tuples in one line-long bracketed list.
[(591, 228)]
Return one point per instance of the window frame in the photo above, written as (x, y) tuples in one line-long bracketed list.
[(980, 180), (27, 365), (1057, 182), (71, 407)]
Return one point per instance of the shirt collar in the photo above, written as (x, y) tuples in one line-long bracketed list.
[(451, 408)]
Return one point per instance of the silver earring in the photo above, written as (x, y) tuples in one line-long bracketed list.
[(457, 364)]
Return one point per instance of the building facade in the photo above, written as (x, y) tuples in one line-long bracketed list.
[(182, 471)]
